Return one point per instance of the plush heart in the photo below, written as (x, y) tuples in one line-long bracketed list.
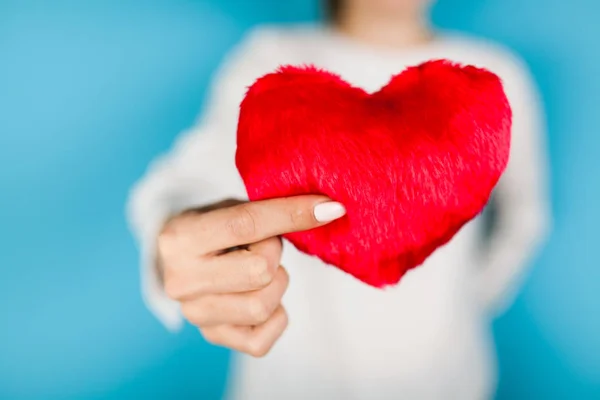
[(412, 162)]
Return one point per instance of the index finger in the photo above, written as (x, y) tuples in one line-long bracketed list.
[(255, 221)]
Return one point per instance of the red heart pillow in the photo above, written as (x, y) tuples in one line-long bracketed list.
[(412, 162)]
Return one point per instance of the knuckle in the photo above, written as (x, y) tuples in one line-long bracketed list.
[(285, 277), (285, 318), (258, 347), (259, 272), (171, 229), (212, 336), (190, 313), (258, 310), (194, 313), (298, 217), (170, 243), (172, 288), (243, 224), (165, 243), (278, 244)]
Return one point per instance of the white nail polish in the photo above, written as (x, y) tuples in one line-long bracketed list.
[(329, 211)]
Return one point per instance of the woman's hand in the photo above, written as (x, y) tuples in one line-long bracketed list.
[(223, 266)]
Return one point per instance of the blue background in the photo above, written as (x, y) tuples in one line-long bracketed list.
[(91, 91)]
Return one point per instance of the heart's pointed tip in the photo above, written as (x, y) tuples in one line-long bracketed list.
[(380, 285), (383, 277), (383, 286)]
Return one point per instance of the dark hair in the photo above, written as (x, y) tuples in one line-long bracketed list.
[(332, 9)]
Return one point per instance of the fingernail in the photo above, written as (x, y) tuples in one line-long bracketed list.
[(329, 211)]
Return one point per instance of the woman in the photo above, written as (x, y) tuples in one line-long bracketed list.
[(218, 264)]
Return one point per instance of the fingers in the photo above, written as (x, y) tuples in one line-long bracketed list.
[(253, 222), (246, 309), (256, 341), (223, 267), (234, 272)]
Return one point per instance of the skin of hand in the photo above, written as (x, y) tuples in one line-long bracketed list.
[(222, 264)]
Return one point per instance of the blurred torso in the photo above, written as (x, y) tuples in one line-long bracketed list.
[(427, 337)]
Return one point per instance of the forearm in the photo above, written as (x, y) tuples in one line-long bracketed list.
[(509, 251)]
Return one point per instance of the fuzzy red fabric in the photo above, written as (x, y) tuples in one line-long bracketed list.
[(412, 162)]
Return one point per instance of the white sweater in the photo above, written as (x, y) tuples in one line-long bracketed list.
[(428, 337)]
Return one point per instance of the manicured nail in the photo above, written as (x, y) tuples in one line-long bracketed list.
[(329, 211)]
